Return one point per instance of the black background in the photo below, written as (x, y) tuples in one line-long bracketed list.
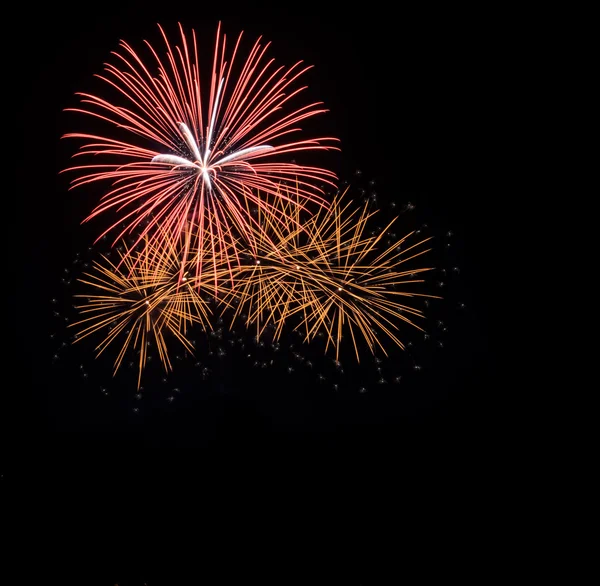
[(412, 97)]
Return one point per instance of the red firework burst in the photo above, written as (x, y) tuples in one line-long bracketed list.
[(194, 157)]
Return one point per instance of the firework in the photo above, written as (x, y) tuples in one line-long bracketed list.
[(140, 300), (178, 155), (332, 276)]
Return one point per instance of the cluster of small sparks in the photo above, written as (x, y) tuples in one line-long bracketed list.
[(210, 215)]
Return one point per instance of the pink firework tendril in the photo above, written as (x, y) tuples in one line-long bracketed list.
[(195, 162)]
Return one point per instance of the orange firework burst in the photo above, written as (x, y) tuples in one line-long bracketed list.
[(331, 275), (142, 298), (178, 154)]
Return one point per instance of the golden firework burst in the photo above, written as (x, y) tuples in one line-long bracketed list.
[(332, 275), (147, 296)]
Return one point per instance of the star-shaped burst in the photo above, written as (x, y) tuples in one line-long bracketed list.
[(175, 155), (328, 277), (147, 297)]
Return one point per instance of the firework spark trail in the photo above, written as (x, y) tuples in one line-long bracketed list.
[(189, 157), (333, 277)]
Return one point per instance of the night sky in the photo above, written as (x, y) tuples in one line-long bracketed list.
[(408, 96)]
